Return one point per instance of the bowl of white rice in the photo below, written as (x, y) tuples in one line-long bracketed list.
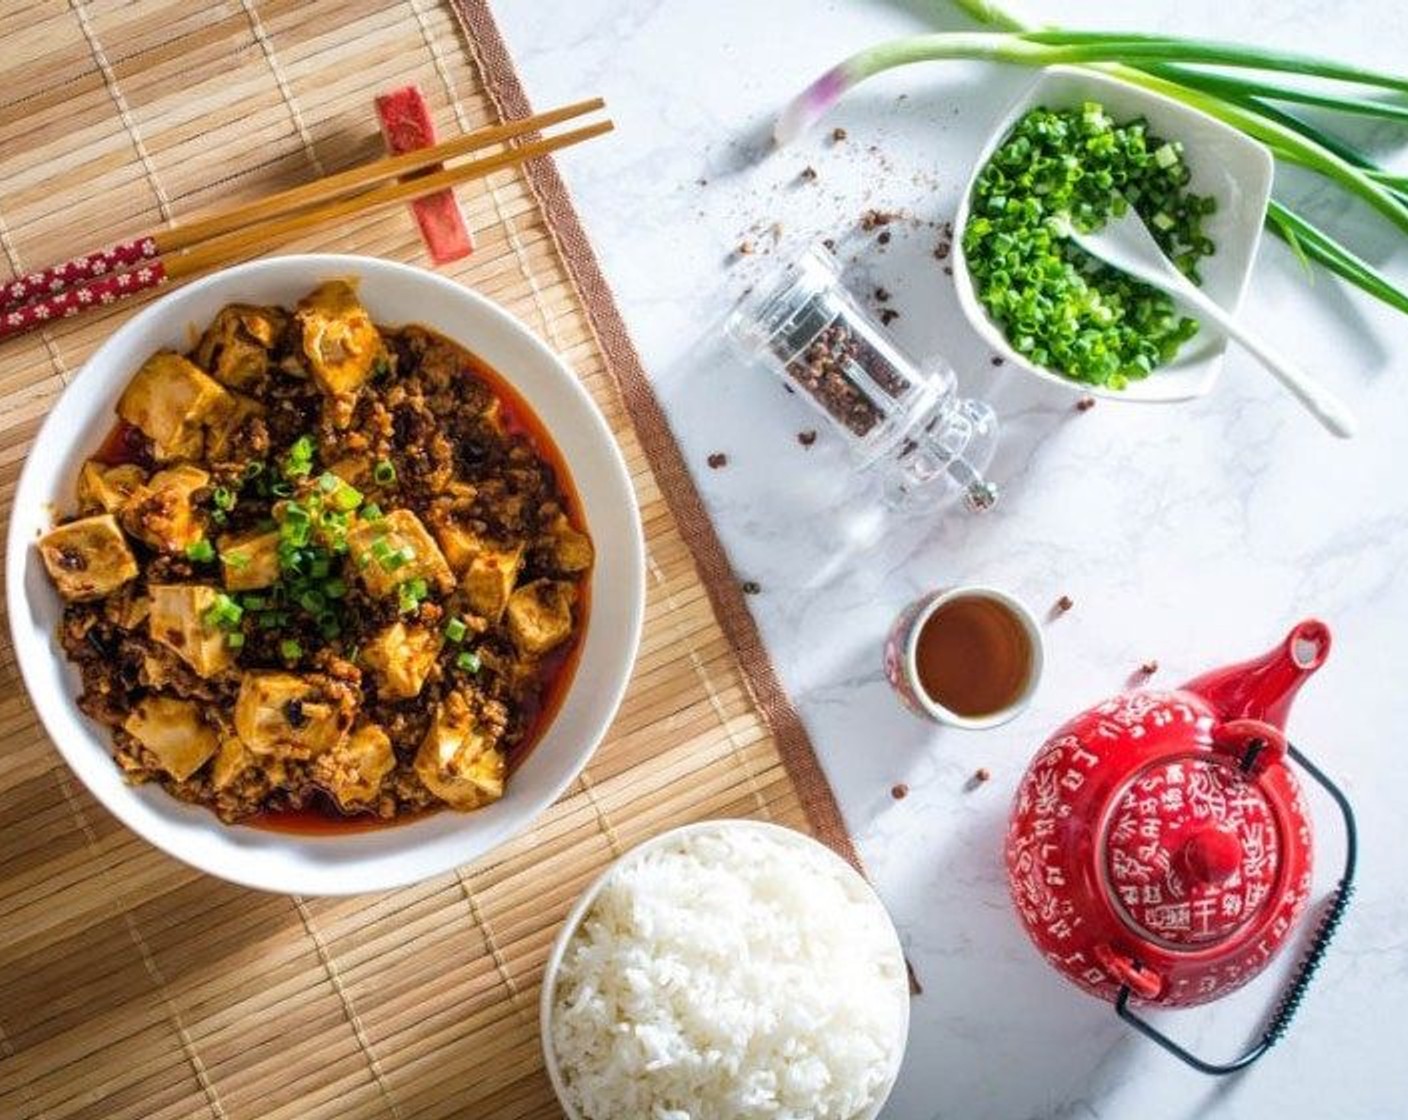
[(729, 970)]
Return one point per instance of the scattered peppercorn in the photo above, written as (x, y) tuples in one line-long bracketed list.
[(997, 361), (838, 135), (874, 219), (1085, 404), (888, 315), (718, 459), (981, 775), (882, 295), (1149, 668), (899, 791), (1065, 603), (884, 237), (829, 244), (808, 174), (751, 587), (807, 438)]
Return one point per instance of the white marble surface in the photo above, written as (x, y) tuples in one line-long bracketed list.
[(1193, 534)]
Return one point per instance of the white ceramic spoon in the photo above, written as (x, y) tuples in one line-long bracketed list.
[(1125, 243)]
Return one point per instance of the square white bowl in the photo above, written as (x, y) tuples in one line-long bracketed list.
[(1231, 167)]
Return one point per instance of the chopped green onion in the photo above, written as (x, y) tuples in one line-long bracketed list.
[(410, 594), (255, 602), (280, 489), (371, 512), (346, 498), (1060, 170), (253, 470), (223, 497), (468, 661), (455, 630), (235, 559), (335, 589), (299, 460), (312, 601), (328, 482), (290, 649), (384, 473), (381, 367), (201, 551), (224, 613), (235, 640)]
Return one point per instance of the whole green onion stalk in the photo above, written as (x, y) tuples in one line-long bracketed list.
[(1245, 99)]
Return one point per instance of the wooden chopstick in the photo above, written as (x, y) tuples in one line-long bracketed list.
[(135, 266), (363, 177), (47, 282), (242, 242)]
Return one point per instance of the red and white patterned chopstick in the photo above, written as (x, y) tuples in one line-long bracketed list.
[(122, 270), (50, 281), (68, 301)]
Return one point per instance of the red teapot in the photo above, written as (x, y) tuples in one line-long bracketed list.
[(1159, 851)]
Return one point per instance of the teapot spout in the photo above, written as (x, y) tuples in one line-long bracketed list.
[(1264, 687)]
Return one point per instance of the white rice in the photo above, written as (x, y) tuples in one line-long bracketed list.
[(730, 975)]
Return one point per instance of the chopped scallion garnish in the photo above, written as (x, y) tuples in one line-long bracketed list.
[(384, 473), (201, 551)]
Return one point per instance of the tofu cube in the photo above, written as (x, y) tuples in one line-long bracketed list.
[(163, 512), (235, 348), (174, 732), (572, 550), (489, 579), (88, 558), (250, 561), (288, 715), (398, 530), (108, 488), (177, 619), (458, 760), (231, 761), (401, 657), (353, 772), (540, 615), (225, 423), (339, 339), (459, 544), (170, 400)]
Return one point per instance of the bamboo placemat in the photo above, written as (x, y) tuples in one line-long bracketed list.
[(131, 986)]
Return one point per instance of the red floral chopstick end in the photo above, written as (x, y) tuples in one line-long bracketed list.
[(50, 281), (102, 289)]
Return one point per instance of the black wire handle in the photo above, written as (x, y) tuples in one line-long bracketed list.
[(1290, 1001)]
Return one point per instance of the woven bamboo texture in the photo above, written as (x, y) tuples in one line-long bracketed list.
[(133, 987)]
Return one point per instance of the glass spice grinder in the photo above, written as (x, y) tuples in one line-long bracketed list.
[(901, 419)]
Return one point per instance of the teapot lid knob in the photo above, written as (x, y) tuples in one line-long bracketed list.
[(1212, 854)]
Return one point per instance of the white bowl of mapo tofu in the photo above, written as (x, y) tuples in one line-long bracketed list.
[(325, 575)]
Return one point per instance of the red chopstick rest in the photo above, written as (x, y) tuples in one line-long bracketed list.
[(406, 126)]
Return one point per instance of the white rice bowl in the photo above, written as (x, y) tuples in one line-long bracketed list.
[(728, 971)]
